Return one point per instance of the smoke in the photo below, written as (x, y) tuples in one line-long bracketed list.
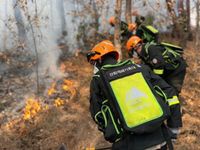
[(48, 53), (47, 31)]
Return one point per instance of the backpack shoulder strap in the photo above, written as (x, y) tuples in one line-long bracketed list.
[(106, 67)]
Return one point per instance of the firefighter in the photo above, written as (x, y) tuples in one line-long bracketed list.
[(168, 64), (104, 54), (126, 30), (146, 32)]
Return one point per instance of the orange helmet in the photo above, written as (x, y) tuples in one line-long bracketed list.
[(102, 49), (132, 42), (112, 20), (131, 27)]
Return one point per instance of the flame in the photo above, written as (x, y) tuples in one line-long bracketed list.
[(31, 109), (52, 90), (58, 102), (68, 85)]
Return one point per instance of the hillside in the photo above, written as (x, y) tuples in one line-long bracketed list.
[(66, 119)]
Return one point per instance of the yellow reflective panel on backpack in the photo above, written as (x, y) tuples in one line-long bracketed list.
[(136, 100)]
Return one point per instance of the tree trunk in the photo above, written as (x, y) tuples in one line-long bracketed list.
[(197, 24), (20, 25), (180, 5), (128, 11), (182, 24), (170, 8), (96, 15), (61, 9), (117, 41), (5, 28), (190, 37)]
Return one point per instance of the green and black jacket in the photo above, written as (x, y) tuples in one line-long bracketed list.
[(160, 61)]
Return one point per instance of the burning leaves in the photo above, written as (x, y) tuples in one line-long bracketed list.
[(68, 86), (59, 90), (59, 102), (56, 92), (52, 90), (31, 109)]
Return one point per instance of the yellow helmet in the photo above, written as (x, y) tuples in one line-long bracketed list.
[(101, 49)]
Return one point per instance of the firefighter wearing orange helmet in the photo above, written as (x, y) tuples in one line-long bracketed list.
[(165, 62), (103, 109), (126, 29)]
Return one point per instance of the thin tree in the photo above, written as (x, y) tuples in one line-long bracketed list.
[(117, 41), (180, 28), (61, 11), (95, 15), (20, 24), (182, 24), (188, 20), (197, 24), (128, 11), (5, 29), (172, 13)]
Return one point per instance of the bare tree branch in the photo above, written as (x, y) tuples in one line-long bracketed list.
[(117, 26)]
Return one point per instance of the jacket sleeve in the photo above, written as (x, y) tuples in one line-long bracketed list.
[(156, 59), (169, 94)]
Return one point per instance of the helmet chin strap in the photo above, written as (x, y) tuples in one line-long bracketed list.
[(98, 63)]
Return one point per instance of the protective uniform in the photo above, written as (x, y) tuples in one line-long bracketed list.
[(106, 120), (169, 65), (125, 29)]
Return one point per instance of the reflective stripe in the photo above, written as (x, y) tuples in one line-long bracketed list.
[(160, 92), (158, 71), (152, 29), (113, 121), (105, 101), (105, 108), (95, 117), (116, 65), (96, 75), (171, 45), (175, 130), (104, 115), (173, 101)]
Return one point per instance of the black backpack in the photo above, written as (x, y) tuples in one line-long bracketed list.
[(132, 99)]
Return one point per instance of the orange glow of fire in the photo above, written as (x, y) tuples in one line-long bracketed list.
[(31, 109), (59, 102), (52, 90), (69, 86)]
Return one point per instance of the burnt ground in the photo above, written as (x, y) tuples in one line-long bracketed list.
[(71, 123)]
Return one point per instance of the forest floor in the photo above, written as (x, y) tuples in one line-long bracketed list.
[(68, 120)]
